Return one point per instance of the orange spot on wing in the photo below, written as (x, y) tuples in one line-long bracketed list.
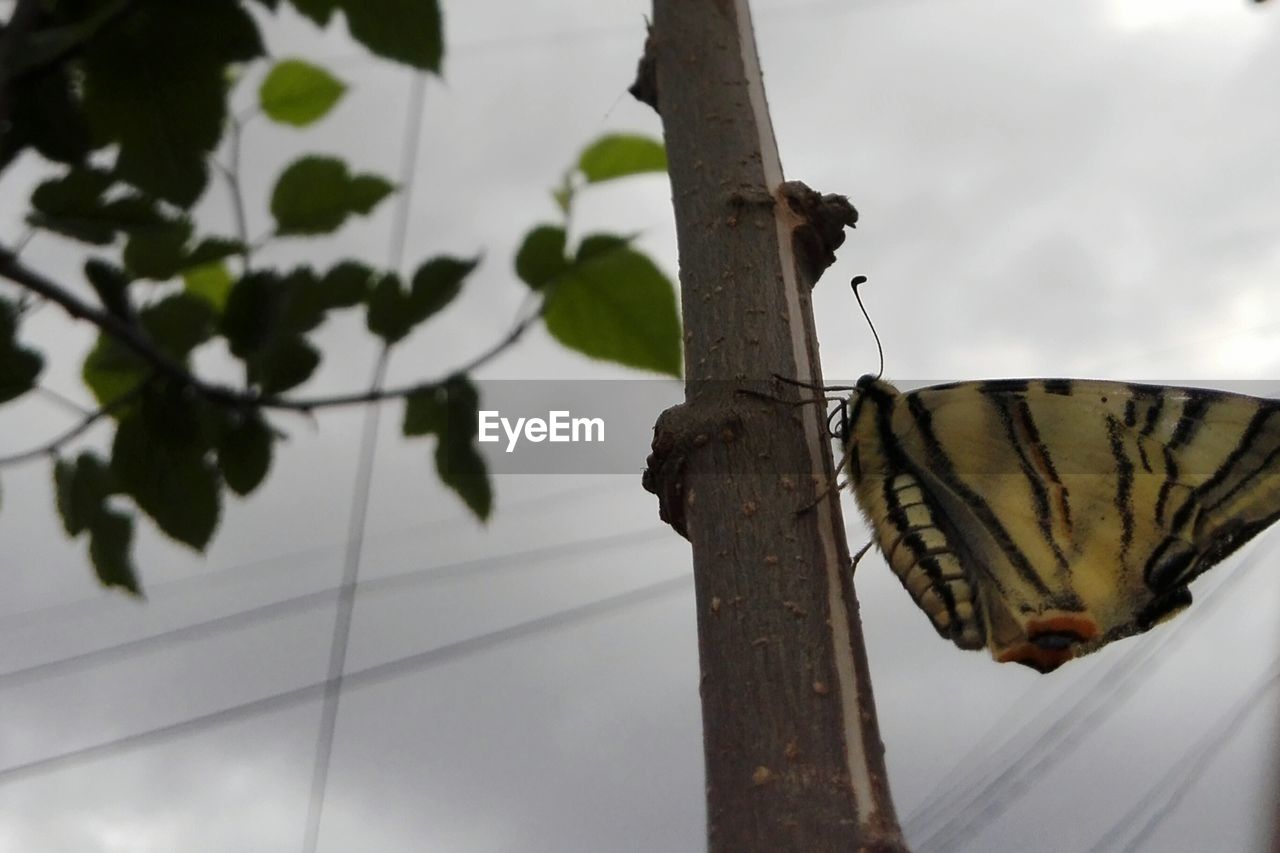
[(1041, 660), (1063, 623)]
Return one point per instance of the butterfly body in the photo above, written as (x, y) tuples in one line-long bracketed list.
[(1043, 519)]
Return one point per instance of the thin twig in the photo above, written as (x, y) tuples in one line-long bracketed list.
[(232, 175), (53, 445), (63, 400)]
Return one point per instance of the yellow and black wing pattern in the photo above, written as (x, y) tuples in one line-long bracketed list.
[(1044, 518)]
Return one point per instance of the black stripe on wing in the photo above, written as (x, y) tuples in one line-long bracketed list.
[(1124, 486), (941, 467), (1020, 429)]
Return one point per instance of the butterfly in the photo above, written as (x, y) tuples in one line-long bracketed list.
[(1045, 518)]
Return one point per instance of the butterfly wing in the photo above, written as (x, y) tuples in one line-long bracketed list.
[(1045, 518)]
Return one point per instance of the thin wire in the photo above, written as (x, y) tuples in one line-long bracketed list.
[(342, 619), (364, 483), (356, 680), (236, 572), (979, 803), (274, 610), (1179, 778)]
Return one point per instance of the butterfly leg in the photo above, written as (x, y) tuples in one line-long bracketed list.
[(834, 485)]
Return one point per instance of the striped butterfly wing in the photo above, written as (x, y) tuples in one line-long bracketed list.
[(1045, 518)]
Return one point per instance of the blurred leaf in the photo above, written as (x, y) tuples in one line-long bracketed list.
[(315, 195), (541, 256), (425, 412), (19, 369), (212, 249), (286, 364), (619, 155), (347, 284), (319, 11), (110, 538), (112, 370), (298, 93), (159, 458), (599, 244), (407, 31), (244, 450), (154, 82), (390, 314), (112, 286), (617, 306), (19, 366), (461, 467), (252, 312), (263, 321), (211, 282), (82, 486), (178, 324), (305, 301), (436, 283), (158, 252), (45, 113), (458, 462), (450, 412), (71, 205), (365, 191)]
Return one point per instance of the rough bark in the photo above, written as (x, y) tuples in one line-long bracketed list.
[(793, 756)]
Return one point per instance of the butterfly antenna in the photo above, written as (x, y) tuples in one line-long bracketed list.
[(857, 280)]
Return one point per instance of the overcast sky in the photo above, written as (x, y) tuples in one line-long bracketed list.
[(1091, 191)]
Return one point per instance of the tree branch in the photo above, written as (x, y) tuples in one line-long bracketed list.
[(137, 340)]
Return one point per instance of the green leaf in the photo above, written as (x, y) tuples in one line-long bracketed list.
[(305, 302), (599, 244), (252, 312), (390, 315), (244, 451), (365, 191), (541, 256), (159, 252), (154, 82), (45, 113), (211, 282), (436, 283), (286, 364), (212, 249), (112, 370), (425, 412), (19, 367), (617, 306), (159, 458), (319, 11), (461, 467), (263, 321), (407, 31), (110, 537), (619, 155), (81, 488), (178, 324), (18, 371), (72, 205), (112, 286), (347, 284), (315, 195), (298, 93), (450, 412)]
